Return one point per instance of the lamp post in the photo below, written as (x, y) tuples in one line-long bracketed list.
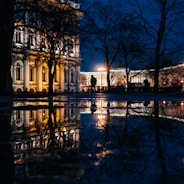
[(101, 69)]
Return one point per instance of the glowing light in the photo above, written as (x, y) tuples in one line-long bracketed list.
[(101, 116), (101, 69)]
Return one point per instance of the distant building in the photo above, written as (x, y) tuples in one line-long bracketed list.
[(31, 47), (169, 77)]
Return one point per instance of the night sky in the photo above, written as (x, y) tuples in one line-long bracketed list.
[(91, 60)]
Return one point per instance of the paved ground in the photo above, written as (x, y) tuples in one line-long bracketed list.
[(117, 97)]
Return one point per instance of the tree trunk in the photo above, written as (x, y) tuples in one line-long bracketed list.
[(160, 151), (50, 77), (6, 34), (156, 76), (160, 36), (127, 72), (108, 79)]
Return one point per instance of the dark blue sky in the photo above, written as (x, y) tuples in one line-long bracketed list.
[(92, 60)]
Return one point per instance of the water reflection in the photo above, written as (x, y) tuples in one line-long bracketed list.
[(41, 138), (139, 142), (6, 152), (100, 141), (167, 109)]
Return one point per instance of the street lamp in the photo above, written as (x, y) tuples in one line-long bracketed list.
[(101, 69)]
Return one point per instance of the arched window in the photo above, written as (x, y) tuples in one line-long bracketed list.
[(18, 72)]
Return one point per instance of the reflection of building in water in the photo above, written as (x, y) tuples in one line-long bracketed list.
[(172, 110), (143, 108), (32, 129)]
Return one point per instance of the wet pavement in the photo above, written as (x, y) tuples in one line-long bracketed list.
[(93, 138)]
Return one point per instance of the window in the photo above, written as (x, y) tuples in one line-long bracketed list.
[(43, 114), (65, 75), (72, 76), (31, 114), (31, 72), (18, 71), (43, 74), (18, 35), (67, 46), (56, 76), (18, 117), (32, 17), (70, 46), (31, 38)]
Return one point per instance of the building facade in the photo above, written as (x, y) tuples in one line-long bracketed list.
[(46, 30), (169, 77)]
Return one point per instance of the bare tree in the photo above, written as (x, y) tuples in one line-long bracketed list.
[(61, 33), (132, 44), (163, 25), (101, 29), (57, 25)]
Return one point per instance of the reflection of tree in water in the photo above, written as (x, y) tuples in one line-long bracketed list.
[(55, 141), (140, 149), (54, 151)]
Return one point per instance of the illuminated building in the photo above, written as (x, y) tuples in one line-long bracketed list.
[(169, 77), (32, 45)]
